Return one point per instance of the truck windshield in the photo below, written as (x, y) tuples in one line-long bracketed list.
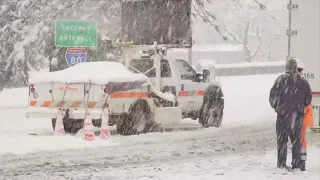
[(186, 71)]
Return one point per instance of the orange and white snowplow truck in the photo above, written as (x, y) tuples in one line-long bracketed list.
[(151, 91)]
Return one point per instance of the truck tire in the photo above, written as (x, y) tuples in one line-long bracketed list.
[(137, 120), (71, 126), (211, 112)]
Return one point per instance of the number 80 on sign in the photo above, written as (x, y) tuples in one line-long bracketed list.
[(75, 56)]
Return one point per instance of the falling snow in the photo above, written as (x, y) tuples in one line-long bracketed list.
[(247, 123)]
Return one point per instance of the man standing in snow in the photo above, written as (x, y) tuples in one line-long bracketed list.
[(289, 96)]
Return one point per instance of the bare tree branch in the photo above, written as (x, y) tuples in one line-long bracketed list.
[(258, 46), (257, 49), (262, 7), (237, 39), (206, 19), (239, 4)]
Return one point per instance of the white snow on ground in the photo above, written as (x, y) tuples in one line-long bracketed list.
[(251, 64), (14, 98), (230, 167), (226, 153)]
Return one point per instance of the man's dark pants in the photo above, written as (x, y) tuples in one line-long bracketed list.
[(289, 126)]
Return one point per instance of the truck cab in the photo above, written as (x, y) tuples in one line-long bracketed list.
[(177, 77)]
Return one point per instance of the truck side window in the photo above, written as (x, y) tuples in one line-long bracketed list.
[(144, 66), (151, 73), (186, 71), (165, 68)]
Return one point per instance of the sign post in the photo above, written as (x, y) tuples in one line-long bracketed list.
[(75, 56), (70, 33)]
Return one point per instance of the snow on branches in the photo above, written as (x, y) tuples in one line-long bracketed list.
[(27, 32), (236, 20)]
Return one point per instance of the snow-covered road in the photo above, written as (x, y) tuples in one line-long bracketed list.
[(228, 153)]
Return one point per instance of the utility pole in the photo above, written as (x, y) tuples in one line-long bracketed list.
[(290, 31)]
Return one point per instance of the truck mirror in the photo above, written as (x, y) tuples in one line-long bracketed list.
[(205, 74)]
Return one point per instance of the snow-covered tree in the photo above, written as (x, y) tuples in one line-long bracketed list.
[(238, 20), (27, 32)]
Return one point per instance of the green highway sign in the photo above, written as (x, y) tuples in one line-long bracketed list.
[(70, 33)]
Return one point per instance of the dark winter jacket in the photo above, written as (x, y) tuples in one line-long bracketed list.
[(290, 93)]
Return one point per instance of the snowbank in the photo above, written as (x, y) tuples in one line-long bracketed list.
[(211, 63), (247, 99), (94, 72), (251, 64), (14, 98)]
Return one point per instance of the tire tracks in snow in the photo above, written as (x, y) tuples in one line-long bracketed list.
[(132, 151)]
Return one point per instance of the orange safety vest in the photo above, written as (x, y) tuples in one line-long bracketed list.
[(308, 117), (307, 122)]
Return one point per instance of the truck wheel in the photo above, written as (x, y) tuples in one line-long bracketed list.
[(71, 126), (211, 112), (96, 122), (54, 120), (76, 125), (138, 119)]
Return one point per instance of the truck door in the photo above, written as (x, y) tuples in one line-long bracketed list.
[(190, 90)]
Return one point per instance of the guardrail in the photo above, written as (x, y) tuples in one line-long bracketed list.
[(243, 69)]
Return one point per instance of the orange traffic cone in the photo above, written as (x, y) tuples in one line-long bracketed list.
[(88, 128), (104, 130), (59, 128)]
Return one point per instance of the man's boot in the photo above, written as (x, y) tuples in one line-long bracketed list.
[(303, 166)]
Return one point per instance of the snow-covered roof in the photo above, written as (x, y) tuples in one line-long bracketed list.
[(94, 72)]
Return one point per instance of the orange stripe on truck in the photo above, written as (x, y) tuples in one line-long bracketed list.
[(60, 104), (200, 93), (129, 95), (191, 93), (91, 104), (46, 104), (184, 93), (33, 103), (76, 104), (67, 104), (316, 93)]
